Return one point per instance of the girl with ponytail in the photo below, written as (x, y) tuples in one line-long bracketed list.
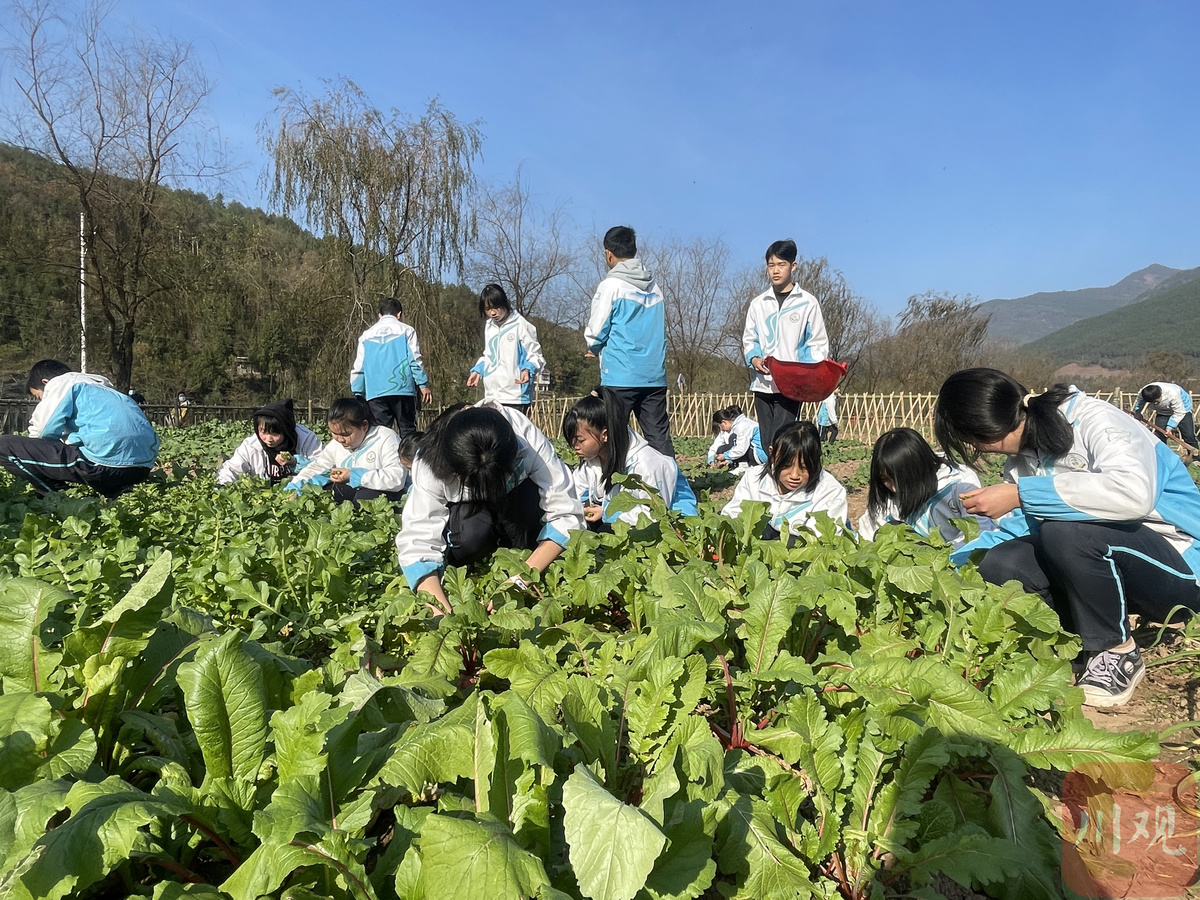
[(1113, 516)]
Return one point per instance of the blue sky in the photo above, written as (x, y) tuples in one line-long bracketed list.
[(995, 149)]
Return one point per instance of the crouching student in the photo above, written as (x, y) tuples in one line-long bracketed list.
[(1114, 517), (484, 478), (738, 439), (597, 429), (276, 450), (361, 462), (913, 485), (792, 483), (83, 431)]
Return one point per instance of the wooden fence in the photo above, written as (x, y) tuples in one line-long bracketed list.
[(861, 417)]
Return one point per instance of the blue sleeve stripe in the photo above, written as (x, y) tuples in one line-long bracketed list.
[(1041, 500), (550, 533), (415, 572)]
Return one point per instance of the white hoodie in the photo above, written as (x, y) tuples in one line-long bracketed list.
[(793, 510), (374, 465), (251, 459), (509, 349)]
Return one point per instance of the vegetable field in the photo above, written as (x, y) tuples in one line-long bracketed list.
[(223, 694)]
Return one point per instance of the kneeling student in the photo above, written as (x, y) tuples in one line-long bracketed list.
[(361, 462), (277, 448), (597, 429), (738, 440), (83, 431), (793, 483)]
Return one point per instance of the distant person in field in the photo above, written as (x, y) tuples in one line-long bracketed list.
[(1114, 517), (512, 356), (388, 371), (738, 442), (83, 431), (793, 484), (277, 449), (827, 418), (627, 329), (597, 429), (1172, 406), (785, 322), (362, 461), (484, 477)]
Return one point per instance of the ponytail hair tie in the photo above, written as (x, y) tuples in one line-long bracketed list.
[(1025, 400)]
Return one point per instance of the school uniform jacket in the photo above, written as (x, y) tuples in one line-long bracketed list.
[(1116, 471), (794, 332), (743, 435), (87, 412), (250, 458), (375, 465), (627, 328), (658, 471), (938, 510), (388, 362), (421, 543), (827, 411), (509, 349), (794, 510), (1174, 402)]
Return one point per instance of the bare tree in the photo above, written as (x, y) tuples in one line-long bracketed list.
[(699, 294), (387, 191), (936, 335), (525, 248), (124, 118)]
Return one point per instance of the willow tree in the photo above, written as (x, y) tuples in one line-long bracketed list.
[(385, 190)]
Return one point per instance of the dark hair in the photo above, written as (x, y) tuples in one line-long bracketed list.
[(429, 440), (602, 410), (795, 441), (621, 242), (352, 411), (478, 448), (44, 371), (493, 297), (986, 405), (1151, 393), (390, 306), (785, 250), (905, 458), (268, 424), (728, 414), (409, 445)]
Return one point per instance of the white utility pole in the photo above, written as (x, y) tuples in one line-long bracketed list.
[(82, 298)]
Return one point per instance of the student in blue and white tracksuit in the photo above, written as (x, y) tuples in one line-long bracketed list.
[(388, 370), (793, 483), (83, 431), (627, 329), (361, 462), (910, 484), (827, 419), (1114, 517), (1172, 409), (738, 440), (597, 429), (484, 477), (512, 356), (785, 322), (277, 449)]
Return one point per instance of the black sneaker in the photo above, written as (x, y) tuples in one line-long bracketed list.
[(1111, 677)]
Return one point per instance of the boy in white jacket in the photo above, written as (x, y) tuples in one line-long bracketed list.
[(738, 441), (1172, 406), (793, 484), (785, 322), (361, 462), (277, 448), (512, 356)]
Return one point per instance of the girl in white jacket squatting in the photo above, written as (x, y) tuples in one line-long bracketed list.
[(361, 462), (792, 483), (512, 355), (597, 428), (1114, 517), (275, 451), (914, 486), (484, 477), (738, 439)]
